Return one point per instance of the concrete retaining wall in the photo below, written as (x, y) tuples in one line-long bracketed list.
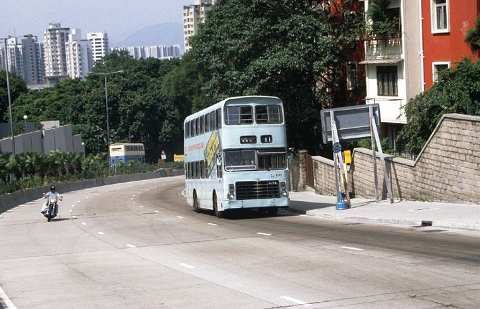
[(14, 199), (447, 169)]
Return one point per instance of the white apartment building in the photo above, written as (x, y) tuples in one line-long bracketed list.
[(194, 15), (55, 57), (79, 55), (100, 45), (393, 66)]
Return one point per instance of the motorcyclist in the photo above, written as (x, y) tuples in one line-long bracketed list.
[(54, 194)]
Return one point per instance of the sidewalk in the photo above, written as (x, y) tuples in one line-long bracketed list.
[(446, 215)]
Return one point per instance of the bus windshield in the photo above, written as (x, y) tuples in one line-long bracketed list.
[(248, 160)]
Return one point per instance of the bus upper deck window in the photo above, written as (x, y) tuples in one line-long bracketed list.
[(239, 115), (268, 114)]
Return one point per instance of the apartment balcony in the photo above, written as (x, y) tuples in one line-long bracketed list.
[(383, 50)]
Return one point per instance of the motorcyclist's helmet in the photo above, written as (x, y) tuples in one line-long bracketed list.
[(52, 188)]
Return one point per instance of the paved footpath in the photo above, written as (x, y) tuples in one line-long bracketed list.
[(446, 215)]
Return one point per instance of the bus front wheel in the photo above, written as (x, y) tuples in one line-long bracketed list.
[(218, 214)]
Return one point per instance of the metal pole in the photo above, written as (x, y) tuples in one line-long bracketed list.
[(106, 110), (9, 96)]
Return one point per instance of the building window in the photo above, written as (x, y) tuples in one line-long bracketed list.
[(437, 67), (440, 16), (352, 79), (387, 81)]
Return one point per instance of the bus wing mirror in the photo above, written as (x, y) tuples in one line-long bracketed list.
[(219, 159)]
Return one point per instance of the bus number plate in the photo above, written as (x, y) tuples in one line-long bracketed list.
[(266, 138)]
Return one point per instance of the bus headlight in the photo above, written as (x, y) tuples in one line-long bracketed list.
[(284, 191), (231, 191)]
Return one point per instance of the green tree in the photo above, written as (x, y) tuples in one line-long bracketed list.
[(289, 49), (17, 87), (456, 91), (472, 38)]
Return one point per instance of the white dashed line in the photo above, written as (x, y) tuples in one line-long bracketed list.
[(352, 248), (296, 301), (212, 224), (131, 246), (101, 233), (187, 266), (180, 217), (264, 234), (156, 211), (83, 223)]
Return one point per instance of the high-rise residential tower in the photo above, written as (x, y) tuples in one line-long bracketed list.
[(100, 46), (55, 39), (79, 55), (193, 15), (24, 57)]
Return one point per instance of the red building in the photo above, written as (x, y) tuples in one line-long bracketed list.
[(444, 26)]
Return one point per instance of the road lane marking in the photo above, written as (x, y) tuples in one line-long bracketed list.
[(264, 234), (156, 211), (180, 217), (101, 233), (296, 301), (131, 246), (187, 266), (6, 300), (352, 248), (212, 224), (83, 223)]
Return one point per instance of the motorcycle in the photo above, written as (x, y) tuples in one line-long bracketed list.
[(52, 206)]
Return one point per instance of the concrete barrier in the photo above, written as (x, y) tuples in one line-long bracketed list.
[(14, 199)]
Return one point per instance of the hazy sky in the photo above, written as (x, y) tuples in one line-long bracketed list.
[(119, 18)]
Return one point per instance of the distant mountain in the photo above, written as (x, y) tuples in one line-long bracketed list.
[(159, 34)]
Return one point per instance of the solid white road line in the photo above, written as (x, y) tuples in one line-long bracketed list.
[(6, 300)]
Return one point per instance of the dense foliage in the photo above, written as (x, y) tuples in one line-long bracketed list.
[(17, 87), (456, 91), (138, 110), (289, 49), (472, 38)]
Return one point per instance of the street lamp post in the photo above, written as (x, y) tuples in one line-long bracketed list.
[(106, 106), (25, 117), (9, 96)]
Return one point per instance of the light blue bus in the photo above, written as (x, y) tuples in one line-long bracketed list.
[(236, 156), (121, 153)]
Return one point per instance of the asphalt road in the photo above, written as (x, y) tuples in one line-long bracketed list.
[(139, 245)]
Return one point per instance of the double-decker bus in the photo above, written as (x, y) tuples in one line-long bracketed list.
[(121, 153), (236, 156)]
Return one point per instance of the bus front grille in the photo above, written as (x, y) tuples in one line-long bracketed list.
[(249, 190)]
